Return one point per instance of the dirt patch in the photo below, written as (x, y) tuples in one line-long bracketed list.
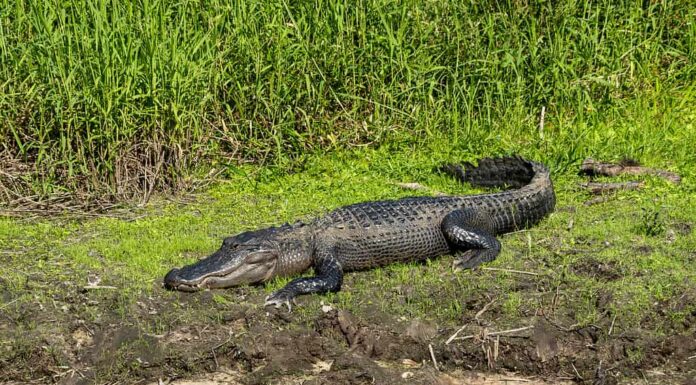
[(228, 377), (683, 228), (159, 339), (603, 270), (223, 377)]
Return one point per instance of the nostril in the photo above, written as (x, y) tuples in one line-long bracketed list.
[(171, 279)]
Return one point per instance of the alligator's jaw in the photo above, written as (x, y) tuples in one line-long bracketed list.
[(200, 275), (172, 281)]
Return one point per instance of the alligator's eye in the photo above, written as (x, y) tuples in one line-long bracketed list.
[(229, 242)]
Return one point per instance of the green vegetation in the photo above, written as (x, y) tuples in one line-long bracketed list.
[(116, 97), (607, 248)]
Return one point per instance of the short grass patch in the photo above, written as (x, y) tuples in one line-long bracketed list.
[(579, 251)]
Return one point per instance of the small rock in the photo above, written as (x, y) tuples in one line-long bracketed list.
[(670, 236), (234, 316), (81, 338), (406, 375), (349, 326), (546, 342), (409, 363), (421, 331), (321, 366)]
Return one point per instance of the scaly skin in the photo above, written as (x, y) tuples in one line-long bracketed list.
[(372, 234)]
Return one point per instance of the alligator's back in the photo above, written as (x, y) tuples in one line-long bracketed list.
[(373, 234)]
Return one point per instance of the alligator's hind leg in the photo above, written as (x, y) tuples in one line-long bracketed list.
[(329, 277), (471, 233)]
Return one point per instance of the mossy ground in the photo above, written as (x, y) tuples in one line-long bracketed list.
[(618, 271)]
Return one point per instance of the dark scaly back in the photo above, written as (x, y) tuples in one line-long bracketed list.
[(530, 199)]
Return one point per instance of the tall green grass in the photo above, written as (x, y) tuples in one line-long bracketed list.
[(109, 96)]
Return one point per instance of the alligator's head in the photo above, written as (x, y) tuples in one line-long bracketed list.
[(247, 258)]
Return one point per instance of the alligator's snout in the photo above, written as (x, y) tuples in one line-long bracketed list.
[(226, 267), (171, 277), (172, 280)]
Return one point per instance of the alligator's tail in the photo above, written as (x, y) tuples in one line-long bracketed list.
[(531, 198), (509, 171)]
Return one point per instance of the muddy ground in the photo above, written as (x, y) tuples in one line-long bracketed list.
[(600, 295), (86, 337)]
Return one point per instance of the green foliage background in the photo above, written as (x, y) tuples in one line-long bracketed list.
[(88, 89)]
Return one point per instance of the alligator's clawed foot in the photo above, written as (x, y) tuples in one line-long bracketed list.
[(280, 298)]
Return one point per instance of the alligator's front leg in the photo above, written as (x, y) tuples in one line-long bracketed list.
[(329, 277), (471, 231)]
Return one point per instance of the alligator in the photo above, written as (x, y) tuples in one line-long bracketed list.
[(371, 234)]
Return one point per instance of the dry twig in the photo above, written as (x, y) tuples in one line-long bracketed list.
[(454, 336), (99, 287), (485, 307), (510, 271), (476, 317), (487, 334), (432, 356), (611, 327), (577, 374), (420, 187)]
